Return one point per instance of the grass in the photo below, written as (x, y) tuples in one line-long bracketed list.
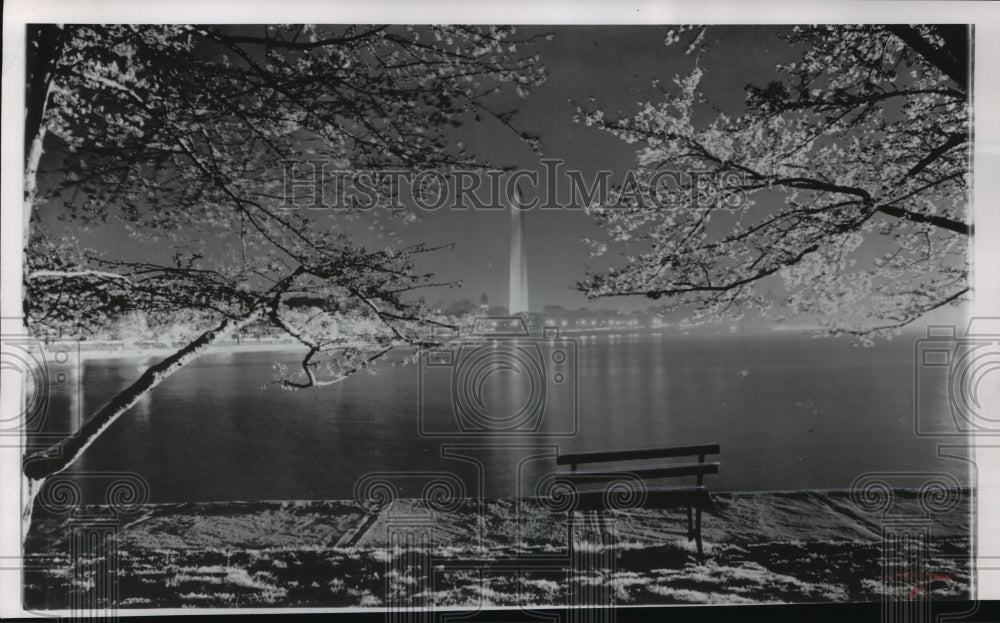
[(285, 554)]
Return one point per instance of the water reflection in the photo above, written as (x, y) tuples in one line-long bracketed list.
[(789, 413)]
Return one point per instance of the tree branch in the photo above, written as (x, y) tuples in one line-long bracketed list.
[(59, 456), (292, 45), (952, 63), (916, 314), (916, 217), (69, 274)]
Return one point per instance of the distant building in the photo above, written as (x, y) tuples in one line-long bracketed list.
[(484, 305)]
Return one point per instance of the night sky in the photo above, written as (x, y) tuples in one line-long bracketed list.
[(617, 67)]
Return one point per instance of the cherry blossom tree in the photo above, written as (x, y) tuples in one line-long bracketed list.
[(175, 140), (842, 185)]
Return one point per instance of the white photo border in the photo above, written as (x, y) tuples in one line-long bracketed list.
[(986, 180)]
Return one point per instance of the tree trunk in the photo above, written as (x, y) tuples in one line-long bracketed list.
[(44, 463), (29, 491), (31, 184), (43, 57)]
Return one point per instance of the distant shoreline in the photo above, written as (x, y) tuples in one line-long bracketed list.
[(107, 349)]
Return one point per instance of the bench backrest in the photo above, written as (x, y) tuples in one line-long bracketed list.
[(699, 469)]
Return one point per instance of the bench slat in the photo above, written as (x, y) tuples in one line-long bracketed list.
[(627, 455), (656, 497), (644, 471)]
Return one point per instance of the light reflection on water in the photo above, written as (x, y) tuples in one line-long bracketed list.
[(789, 413)]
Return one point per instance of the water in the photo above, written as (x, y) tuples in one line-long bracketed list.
[(789, 413)]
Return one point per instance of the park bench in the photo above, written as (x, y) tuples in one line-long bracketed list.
[(694, 497)]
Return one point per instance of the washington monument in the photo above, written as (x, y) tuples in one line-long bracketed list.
[(518, 301)]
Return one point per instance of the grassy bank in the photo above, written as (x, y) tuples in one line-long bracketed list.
[(760, 547)]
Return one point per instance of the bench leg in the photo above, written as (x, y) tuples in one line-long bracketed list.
[(570, 531), (607, 535), (597, 523), (698, 530)]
